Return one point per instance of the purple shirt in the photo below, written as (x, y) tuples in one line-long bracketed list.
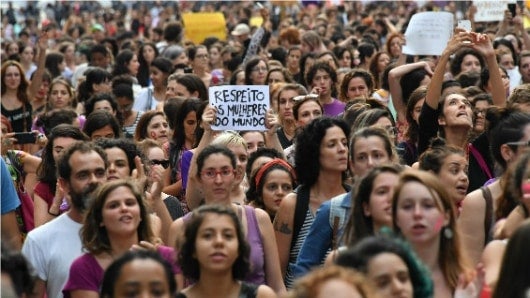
[(86, 273), (334, 108)]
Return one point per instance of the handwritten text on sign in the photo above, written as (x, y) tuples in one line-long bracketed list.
[(428, 33), (240, 107)]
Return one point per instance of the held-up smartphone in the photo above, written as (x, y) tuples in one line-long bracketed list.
[(25, 138), (465, 24), (511, 7)]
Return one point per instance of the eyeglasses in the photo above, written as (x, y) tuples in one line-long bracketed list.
[(259, 69), (202, 56), (392, 131), (520, 143), (212, 173), (163, 162), (308, 96)]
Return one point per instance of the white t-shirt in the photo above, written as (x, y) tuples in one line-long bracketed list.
[(51, 249), (141, 102)]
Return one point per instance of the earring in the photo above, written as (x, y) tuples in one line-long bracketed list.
[(448, 233)]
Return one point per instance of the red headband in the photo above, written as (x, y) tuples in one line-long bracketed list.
[(276, 161)]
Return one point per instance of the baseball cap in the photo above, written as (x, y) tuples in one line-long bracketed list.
[(241, 29)]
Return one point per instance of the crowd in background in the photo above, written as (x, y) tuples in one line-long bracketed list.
[(379, 174)]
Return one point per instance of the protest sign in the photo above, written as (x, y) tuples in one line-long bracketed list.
[(428, 33), (240, 107), (198, 26), (490, 11)]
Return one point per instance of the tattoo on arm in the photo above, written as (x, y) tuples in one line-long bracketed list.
[(283, 228)]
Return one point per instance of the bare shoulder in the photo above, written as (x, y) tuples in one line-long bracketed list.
[(494, 250), (265, 292), (473, 200)]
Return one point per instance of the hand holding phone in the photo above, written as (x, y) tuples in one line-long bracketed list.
[(465, 24), (25, 138)]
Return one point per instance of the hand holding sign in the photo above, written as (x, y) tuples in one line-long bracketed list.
[(240, 107)]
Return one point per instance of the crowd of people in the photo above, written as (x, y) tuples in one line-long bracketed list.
[(379, 174)]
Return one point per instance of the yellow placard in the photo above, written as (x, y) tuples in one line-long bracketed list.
[(256, 21), (198, 26)]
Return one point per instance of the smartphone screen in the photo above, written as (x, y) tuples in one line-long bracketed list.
[(25, 138), (465, 24)]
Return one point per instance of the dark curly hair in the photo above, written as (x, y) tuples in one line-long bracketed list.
[(187, 259), (308, 147), (456, 63)]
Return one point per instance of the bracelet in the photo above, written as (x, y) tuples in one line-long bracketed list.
[(52, 213)]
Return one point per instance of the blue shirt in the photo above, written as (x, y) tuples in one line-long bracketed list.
[(10, 199), (318, 241)]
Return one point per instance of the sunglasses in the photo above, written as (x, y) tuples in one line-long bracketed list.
[(163, 162), (520, 143)]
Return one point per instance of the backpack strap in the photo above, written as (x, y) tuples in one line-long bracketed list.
[(300, 210), (480, 160), (488, 219)]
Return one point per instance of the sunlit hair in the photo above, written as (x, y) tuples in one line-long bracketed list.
[(310, 285)]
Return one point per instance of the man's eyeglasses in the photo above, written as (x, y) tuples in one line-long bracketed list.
[(308, 96), (212, 174), (163, 162)]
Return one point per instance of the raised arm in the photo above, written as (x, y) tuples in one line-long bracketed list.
[(394, 78), (483, 45), (36, 82), (271, 135), (193, 192)]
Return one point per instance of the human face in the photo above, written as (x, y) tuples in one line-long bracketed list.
[(119, 167), (523, 141), (142, 278), (104, 105), (254, 141), (43, 90), (307, 65), (322, 81), (121, 213), (329, 60), (215, 56), (241, 160), (133, 65), (276, 186), (505, 80), (202, 59), (307, 112), (337, 288), (357, 88), (293, 59), (345, 60), (379, 206), (470, 63), (419, 213), (395, 47), (275, 77), (368, 153), (334, 150), (286, 103), (453, 174), (457, 111), (259, 73), (12, 77), (103, 87), (216, 245), (149, 54), (157, 129), (12, 49), (104, 132), (507, 62), (390, 275), (480, 109), (382, 62), (182, 59), (99, 60), (124, 105), (385, 123), (217, 190), (525, 69), (88, 169), (171, 89), (190, 125), (59, 96), (59, 145), (27, 54), (240, 78), (417, 110), (158, 77)]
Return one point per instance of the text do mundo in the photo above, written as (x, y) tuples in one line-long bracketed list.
[(241, 107)]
